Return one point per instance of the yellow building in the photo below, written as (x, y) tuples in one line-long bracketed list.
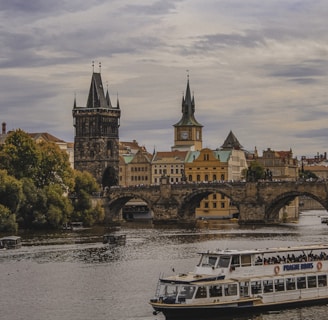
[(208, 166)]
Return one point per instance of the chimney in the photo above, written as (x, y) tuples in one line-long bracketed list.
[(4, 130)]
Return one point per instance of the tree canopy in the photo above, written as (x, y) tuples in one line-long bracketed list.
[(35, 180)]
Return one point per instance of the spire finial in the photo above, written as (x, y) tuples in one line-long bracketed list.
[(99, 67), (93, 66), (187, 74)]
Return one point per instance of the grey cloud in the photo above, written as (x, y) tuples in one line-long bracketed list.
[(35, 7), (315, 133), (298, 71), (212, 42), (159, 7)]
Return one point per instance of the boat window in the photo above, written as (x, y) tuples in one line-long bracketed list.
[(267, 286), (256, 287), (290, 284), (279, 285), (245, 260), (224, 261), (301, 283), (230, 289), (244, 289), (312, 281), (322, 280), (187, 292), (216, 291), (235, 262), (169, 290), (201, 293), (208, 261)]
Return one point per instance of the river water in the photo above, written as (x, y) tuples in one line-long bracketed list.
[(73, 276)]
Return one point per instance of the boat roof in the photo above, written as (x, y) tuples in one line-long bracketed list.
[(10, 238), (267, 250), (189, 277)]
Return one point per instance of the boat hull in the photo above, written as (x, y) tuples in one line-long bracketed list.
[(184, 311)]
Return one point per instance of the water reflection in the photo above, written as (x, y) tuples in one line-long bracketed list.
[(73, 275)]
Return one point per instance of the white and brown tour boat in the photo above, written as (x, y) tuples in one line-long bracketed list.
[(226, 281)]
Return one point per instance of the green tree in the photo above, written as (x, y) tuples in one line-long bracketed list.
[(20, 156), (10, 191), (59, 208), (54, 167), (307, 174), (33, 204), (255, 172), (7, 220), (45, 177), (85, 186)]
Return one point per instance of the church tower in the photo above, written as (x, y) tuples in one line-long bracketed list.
[(96, 139), (188, 132)]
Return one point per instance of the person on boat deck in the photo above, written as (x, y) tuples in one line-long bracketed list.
[(259, 260)]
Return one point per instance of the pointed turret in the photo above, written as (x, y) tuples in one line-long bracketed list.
[(109, 104), (96, 98), (117, 102), (74, 104), (231, 142), (188, 110)]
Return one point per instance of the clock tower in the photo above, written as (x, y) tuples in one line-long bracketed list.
[(188, 132)]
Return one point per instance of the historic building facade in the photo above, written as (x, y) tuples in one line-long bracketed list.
[(96, 138), (170, 163), (281, 166)]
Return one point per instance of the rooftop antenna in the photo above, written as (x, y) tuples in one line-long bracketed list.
[(99, 67), (93, 66)]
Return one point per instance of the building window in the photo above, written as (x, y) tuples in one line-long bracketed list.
[(198, 177)]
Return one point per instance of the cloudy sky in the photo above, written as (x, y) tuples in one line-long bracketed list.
[(258, 68)]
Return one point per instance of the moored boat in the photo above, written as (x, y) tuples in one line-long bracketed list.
[(10, 242), (114, 238), (227, 281)]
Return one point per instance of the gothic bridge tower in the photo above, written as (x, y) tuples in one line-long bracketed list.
[(96, 139), (188, 131)]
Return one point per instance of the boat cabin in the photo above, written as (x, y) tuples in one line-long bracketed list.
[(234, 263), (11, 242)]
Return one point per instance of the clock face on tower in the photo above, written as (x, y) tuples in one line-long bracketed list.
[(184, 135)]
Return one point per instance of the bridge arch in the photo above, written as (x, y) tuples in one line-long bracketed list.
[(189, 204), (284, 199), (116, 203)]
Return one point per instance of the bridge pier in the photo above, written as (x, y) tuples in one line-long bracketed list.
[(251, 213)]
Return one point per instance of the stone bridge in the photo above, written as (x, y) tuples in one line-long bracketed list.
[(257, 202)]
